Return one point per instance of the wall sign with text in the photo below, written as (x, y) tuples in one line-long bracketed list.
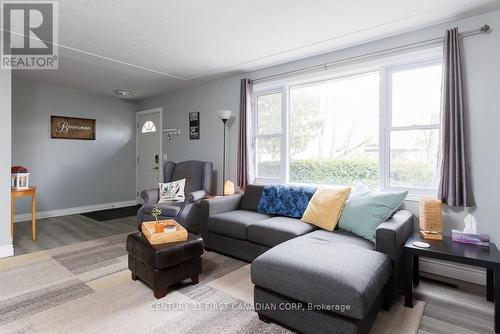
[(72, 128), (194, 125)]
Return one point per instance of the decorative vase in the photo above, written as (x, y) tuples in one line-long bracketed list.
[(159, 227)]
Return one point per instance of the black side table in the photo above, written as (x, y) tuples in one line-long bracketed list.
[(448, 250)]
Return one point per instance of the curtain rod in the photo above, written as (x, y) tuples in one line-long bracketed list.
[(484, 29)]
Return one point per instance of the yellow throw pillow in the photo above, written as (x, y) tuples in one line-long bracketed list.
[(325, 207)]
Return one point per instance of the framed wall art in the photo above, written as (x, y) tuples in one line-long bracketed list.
[(62, 127), (194, 125)]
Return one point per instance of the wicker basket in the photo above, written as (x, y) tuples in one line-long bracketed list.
[(431, 226)]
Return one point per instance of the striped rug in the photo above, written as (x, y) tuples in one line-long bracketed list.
[(86, 288)]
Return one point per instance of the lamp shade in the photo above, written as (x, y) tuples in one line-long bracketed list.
[(224, 114)]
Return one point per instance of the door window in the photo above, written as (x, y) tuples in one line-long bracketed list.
[(148, 126)]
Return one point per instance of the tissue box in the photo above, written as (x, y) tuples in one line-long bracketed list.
[(470, 238)]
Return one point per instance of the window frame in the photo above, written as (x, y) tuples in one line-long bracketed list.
[(151, 129), (255, 119), (388, 128), (385, 71)]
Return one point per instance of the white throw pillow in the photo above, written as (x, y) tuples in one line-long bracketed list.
[(172, 191)]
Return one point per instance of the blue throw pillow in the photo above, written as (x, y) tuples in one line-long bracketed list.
[(285, 200), (365, 210)]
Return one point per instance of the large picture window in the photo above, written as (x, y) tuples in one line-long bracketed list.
[(334, 130), (379, 126)]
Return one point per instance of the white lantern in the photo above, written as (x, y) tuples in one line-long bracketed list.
[(19, 181)]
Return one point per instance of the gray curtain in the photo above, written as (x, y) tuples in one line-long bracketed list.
[(454, 185), (244, 151)]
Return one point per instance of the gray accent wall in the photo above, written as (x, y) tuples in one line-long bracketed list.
[(481, 61), (207, 99), (73, 173), (5, 147)]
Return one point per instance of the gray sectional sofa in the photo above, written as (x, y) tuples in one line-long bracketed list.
[(309, 279)]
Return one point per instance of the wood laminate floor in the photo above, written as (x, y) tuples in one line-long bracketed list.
[(66, 230), (449, 310), (454, 310)]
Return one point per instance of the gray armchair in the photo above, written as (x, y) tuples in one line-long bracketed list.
[(198, 175)]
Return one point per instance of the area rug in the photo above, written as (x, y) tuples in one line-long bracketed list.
[(86, 288)]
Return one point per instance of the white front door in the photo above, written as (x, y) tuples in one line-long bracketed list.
[(149, 155)]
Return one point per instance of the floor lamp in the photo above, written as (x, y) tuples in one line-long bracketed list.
[(224, 115)]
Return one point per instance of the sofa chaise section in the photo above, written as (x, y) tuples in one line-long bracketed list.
[(320, 272)]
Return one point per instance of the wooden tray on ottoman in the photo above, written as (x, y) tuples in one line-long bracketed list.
[(148, 229)]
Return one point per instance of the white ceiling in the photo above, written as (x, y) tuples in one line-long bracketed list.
[(172, 44)]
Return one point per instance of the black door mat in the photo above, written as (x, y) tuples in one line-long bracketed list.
[(111, 214)]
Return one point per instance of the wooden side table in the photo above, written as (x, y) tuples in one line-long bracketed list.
[(31, 191)]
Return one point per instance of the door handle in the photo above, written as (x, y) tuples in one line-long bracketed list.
[(156, 168)]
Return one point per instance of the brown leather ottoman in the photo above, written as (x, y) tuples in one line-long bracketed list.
[(160, 266)]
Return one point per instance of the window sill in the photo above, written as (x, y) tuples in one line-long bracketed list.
[(417, 197)]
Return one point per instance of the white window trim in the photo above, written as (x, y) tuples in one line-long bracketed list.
[(385, 114), (276, 90), (415, 192)]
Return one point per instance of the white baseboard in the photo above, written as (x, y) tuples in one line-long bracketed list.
[(6, 251), (457, 271), (73, 211)]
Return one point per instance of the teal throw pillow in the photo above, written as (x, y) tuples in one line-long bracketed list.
[(366, 209)]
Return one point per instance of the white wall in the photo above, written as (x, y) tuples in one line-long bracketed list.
[(481, 63), (73, 173), (5, 140)]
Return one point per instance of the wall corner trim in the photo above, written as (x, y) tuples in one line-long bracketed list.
[(74, 211)]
